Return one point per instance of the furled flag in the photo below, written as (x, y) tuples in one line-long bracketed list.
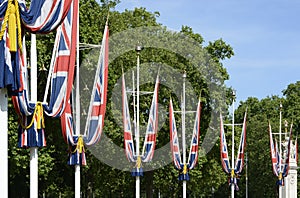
[(235, 171), (193, 153), (193, 156), (31, 130), (239, 164), (42, 17), (175, 149), (96, 114), (151, 131), (128, 140), (274, 153), (224, 149)]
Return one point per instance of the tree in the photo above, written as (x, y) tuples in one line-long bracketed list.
[(56, 178)]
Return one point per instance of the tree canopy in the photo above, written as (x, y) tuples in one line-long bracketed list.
[(206, 75)]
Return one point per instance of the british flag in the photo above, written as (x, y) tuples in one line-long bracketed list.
[(174, 139), (223, 148), (62, 70), (239, 164), (97, 108), (286, 159), (150, 138), (11, 64), (193, 155), (128, 140), (43, 16), (274, 154), (63, 63)]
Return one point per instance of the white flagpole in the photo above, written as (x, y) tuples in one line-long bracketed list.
[(137, 137), (232, 152), (280, 151), (3, 143), (183, 132), (77, 125), (33, 98)]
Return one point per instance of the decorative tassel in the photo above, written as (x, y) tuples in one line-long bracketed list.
[(77, 153), (184, 175), (33, 135), (137, 170), (12, 17), (12, 29)]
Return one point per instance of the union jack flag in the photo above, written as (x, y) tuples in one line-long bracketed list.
[(174, 139), (128, 140), (150, 138), (43, 16), (95, 122), (224, 149), (193, 156), (239, 164), (63, 63), (274, 154), (286, 159), (11, 66)]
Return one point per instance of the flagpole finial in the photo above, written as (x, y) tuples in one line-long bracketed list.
[(139, 48), (233, 95)]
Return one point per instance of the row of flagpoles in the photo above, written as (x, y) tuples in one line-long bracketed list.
[(31, 132)]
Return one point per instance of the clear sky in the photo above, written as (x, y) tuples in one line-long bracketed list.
[(265, 36)]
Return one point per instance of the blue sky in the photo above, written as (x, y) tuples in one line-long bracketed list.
[(265, 36)]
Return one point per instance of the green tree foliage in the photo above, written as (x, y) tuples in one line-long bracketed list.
[(262, 182), (56, 179)]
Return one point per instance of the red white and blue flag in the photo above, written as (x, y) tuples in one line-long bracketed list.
[(150, 138), (128, 140), (63, 64), (239, 164), (151, 131), (175, 149), (286, 157), (97, 108), (224, 149), (274, 154), (95, 120), (43, 16), (193, 156), (280, 165)]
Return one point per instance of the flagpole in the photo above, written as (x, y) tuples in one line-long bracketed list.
[(280, 171), (183, 132), (138, 49), (33, 98), (77, 125), (4, 142), (232, 151)]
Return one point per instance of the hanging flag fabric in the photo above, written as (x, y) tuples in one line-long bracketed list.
[(224, 149), (286, 157), (239, 164), (274, 154), (96, 113), (61, 84), (128, 140), (10, 66), (176, 156), (42, 17), (193, 156), (152, 126), (280, 165)]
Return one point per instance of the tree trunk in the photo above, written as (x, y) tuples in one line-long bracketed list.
[(149, 184)]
